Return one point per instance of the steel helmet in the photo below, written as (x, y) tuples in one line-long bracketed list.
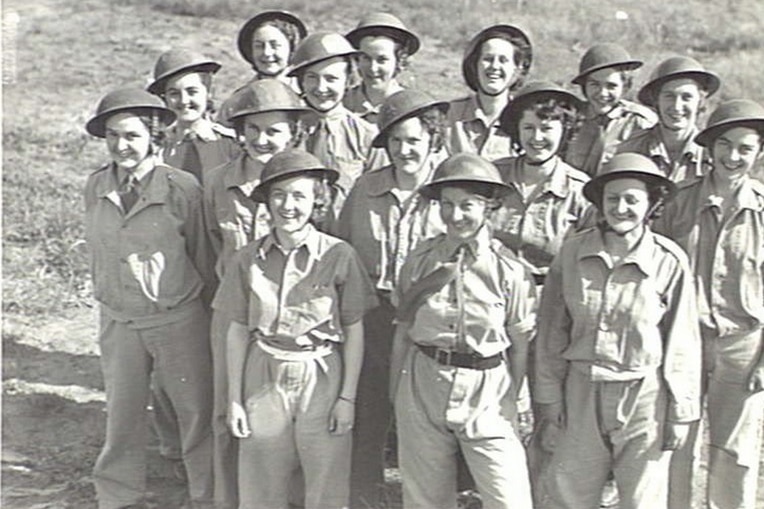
[(400, 106), (627, 165), (123, 100), (176, 61), (677, 68), (387, 25), (604, 56), (318, 47), (534, 91), (735, 113), (464, 168), (265, 95), (472, 53), (244, 40), (287, 164)]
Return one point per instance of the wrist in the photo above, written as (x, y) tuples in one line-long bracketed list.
[(346, 399)]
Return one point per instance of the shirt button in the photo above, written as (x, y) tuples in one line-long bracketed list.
[(604, 327), (452, 326)]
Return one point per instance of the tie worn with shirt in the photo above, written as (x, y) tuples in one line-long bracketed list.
[(128, 193)]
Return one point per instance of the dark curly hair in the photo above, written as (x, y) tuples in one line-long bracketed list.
[(522, 57), (547, 108)]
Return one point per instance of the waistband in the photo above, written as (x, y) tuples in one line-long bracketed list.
[(460, 360), (317, 352), (166, 317)]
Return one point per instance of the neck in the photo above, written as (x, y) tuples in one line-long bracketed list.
[(492, 105), (726, 186), (619, 245), (185, 126), (291, 239), (143, 168), (675, 140), (534, 173), (410, 182), (377, 95)]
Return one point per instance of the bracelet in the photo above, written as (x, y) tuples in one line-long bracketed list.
[(343, 398)]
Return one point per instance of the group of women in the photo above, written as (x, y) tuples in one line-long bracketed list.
[(274, 274)]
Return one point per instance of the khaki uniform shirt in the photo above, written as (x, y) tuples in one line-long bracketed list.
[(342, 141), (382, 227), (150, 262), (692, 164), (620, 322), (491, 300), (233, 219), (299, 298), (197, 151), (727, 254), (598, 136), (471, 131), (535, 229), (356, 101)]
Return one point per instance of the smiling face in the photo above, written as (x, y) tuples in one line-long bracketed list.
[(408, 145), (325, 83), (128, 140), (539, 138), (267, 134), (736, 152), (270, 50), (496, 67), (604, 88), (187, 96), (463, 212), (679, 103), (291, 202), (377, 63), (625, 204)]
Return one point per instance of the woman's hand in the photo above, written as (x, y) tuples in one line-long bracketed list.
[(237, 420), (675, 435), (756, 379), (342, 417)]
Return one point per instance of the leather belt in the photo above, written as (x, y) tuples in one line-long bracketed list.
[(460, 360)]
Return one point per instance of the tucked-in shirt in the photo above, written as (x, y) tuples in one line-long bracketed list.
[(491, 300), (727, 253), (153, 259), (470, 130), (383, 226), (535, 229), (200, 149), (620, 322), (232, 217), (342, 141), (356, 101), (692, 163), (297, 298), (598, 136)]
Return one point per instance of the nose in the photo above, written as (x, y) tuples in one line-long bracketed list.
[(537, 135), (288, 201), (620, 206), (261, 138), (184, 97), (121, 143), (268, 50), (456, 214), (734, 155)]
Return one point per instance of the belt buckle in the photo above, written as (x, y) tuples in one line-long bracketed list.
[(443, 356)]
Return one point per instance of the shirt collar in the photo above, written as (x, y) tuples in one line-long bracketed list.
[(382, 180), (479, 244), (338, 113), (745, 198), (642, 256), (243, 173), (557, 183), (656, 147), (203, 130), (613, 113), (311, 243)]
